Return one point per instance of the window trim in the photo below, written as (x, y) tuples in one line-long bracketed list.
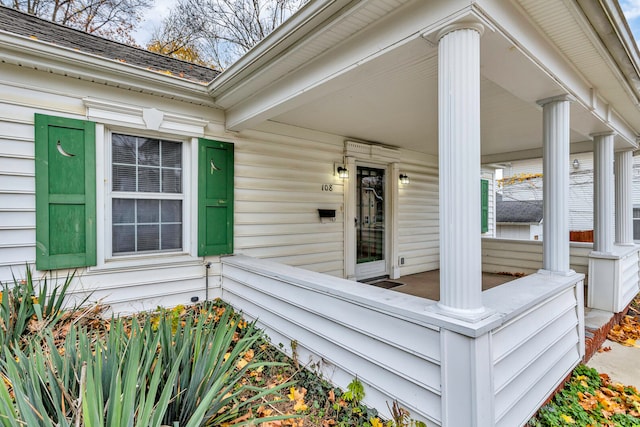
[(104, 196), (633, 219)]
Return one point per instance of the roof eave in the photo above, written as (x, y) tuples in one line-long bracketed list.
[(312, 15), (41, 55), (608, 21)]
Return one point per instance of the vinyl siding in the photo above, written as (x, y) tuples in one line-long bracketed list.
[(532, 353), (418, 211), (342, 329), (522, 256), (280, 172)]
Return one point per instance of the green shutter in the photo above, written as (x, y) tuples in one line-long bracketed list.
[(484, 197), (65, 193), (215, 198)]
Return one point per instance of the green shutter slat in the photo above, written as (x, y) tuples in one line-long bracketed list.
[(484, 195), (65, 193), (215, 197)]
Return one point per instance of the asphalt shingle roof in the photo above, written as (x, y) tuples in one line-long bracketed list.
[(526, 211), (21, 23)]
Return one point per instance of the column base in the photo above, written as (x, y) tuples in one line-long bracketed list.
[(468, 315), (558, 273), (613, 279)]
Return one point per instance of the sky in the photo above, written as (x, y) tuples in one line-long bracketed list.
[(631, 9), (161, 8), (153, 18)]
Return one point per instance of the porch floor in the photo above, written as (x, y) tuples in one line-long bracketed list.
[(427, 284)]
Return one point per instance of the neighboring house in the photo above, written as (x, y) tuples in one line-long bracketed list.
[(160, 181), (580, 188), (518, 219)]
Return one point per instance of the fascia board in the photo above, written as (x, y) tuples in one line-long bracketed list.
[(41, 55)]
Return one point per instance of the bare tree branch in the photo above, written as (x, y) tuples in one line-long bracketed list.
[(114, 19), (221, 30)]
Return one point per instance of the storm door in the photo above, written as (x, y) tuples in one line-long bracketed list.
[(370, 224)]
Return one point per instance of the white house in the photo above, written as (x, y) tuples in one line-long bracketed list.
[(580, 188), (160, 181), (518, 219)]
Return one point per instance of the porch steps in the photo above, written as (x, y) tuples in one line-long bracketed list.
[(598, 323)]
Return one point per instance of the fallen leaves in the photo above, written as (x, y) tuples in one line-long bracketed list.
[(297, 396), (590, 399), (627, 332)]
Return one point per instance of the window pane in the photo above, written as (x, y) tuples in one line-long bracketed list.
[(124, 178), (151, 166), (636, 230), (149, 180), (148, 238), (171, 211), (123, 149), (148, 152), (123, 211), (636, 212), (171, 154), (148, 211), (124, 237), (171, 236), (171, 181)]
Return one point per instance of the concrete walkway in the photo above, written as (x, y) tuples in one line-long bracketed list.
[(621, 363)]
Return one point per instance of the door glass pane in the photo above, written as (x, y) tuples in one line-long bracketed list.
[(370, 214)]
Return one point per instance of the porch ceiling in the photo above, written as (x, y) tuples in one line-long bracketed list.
[(375, 79), (393, 100)]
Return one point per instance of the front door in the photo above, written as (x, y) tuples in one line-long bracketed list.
[(371, 241)]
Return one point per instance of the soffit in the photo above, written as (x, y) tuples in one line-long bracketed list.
[(284, 59), (572, 34)]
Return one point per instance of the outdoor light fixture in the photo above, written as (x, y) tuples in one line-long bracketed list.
[(404, 178), (343, 172), (576, 163)]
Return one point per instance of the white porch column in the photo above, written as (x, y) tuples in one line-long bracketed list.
[(603, 197), (556, 126), (459, 163), (624, 197)]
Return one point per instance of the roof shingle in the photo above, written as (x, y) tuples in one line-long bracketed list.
[(16, 22)]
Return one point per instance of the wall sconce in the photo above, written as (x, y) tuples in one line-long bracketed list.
[(404, 178), (342, 172), (576, 163)]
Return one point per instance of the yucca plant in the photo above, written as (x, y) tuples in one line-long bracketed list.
[(213, 367), (138, 374), (28, 307)]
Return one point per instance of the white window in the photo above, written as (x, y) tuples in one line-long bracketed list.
[(636, 223), (147, 195)]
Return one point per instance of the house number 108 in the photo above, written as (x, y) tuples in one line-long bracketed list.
[(327, 187)]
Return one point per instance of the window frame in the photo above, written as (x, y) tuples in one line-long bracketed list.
[(105, 195), (634, 219)]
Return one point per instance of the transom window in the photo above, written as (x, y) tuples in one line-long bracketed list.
[(147, 195)]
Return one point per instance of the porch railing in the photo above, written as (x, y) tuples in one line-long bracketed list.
[(525, 256), (401, 348)]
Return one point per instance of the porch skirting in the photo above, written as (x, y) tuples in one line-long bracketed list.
[(505, 366)]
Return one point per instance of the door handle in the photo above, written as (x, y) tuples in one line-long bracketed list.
[(355, 222)]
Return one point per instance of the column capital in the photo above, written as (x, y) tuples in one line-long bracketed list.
[(465, 25), (601, 134), (558, 98)]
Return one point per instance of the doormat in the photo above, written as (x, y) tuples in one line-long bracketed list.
[(386, 284)]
